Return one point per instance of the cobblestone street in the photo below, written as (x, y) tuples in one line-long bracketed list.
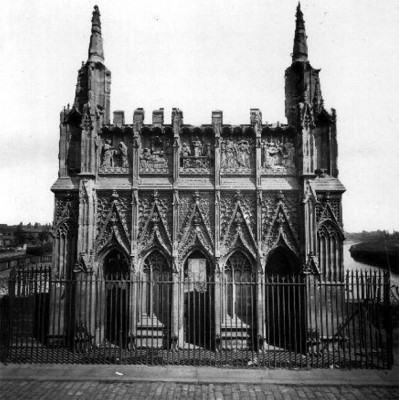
[(55, 390)]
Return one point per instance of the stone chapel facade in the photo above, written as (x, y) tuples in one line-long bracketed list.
[(137, 198)]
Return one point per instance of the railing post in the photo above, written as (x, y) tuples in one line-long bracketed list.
[(84, 311), (388, 318), (217, 306), (175, 312), (132, 310), (59, 299), (312, 334), (260, 311)]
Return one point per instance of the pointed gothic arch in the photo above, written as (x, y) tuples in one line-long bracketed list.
[(199, 251), (153, 250), (282, 261), (113, 251), (330, 250)]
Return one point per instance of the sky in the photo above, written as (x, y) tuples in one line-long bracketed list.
[(202, 56)]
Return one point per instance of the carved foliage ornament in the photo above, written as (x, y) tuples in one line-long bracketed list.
[(196, 230), (238, 211), (113, 220), (311, 266), (85, 263), (280, 222), (66, 215), (155, 221), (329, 230), (328, 209), (87, 124)]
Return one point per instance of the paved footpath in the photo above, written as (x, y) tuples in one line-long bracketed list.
[(105, 382), (55, 390)]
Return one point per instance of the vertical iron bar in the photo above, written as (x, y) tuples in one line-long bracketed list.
[(318, 330), (370, 302), (290, 286), (388, 319)]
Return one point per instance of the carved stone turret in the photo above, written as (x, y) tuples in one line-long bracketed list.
[(300, 52), (304, 109), (94, 79), (96, 52)]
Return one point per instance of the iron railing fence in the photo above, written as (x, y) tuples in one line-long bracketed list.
[(227, 321)]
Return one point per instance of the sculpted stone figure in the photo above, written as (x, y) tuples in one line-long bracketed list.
[(185, 150), (108, 154), (123, 155), (223, 162), (288, 157), (243, 153), (208, 150), (144, 157), (197, 144), (230, 150)]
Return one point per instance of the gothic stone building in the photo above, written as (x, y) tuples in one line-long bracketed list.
[(147, 201)]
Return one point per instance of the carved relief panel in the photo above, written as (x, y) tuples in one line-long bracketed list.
[(115, 148), (196, 151), (278, 153), (156, 151), (237, 151)]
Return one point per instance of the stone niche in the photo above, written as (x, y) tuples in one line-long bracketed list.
[(278, 154), (197, 155), (156, 151), (116, 150), (237, 151)]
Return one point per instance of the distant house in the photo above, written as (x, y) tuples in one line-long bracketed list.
[(13, 235)]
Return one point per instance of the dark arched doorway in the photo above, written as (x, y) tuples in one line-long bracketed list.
[(285, 301), (240, 301), (116, 275), (199, 315)]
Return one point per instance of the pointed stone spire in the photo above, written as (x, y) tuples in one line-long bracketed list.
[(96, 53), (300, 45)]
